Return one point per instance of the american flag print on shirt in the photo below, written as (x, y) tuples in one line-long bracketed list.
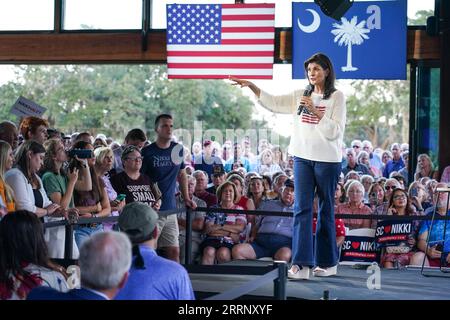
[(214, 41), (310, 118)]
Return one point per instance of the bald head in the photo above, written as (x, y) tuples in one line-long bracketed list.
[(9, 133)]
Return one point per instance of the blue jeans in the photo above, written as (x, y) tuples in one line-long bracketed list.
[(83, 233), (310, 177), (267, 244)]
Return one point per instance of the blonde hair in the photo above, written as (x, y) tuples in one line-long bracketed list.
[(424, 155), (4, 154), (50, 152), (100, 153), (263, 153)]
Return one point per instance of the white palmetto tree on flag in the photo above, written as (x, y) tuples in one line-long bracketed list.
[(350, 33)]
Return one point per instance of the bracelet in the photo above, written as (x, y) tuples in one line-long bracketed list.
[(46, 211)]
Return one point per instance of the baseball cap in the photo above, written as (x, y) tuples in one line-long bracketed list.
[(207, 143), (138, 221), (218, 169), (289, 183)]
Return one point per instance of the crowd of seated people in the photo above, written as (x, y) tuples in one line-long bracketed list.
[(53, 178)]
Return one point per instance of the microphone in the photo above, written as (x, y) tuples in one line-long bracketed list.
[(308, 90)]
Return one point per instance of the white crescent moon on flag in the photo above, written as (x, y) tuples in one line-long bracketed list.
[(313, 26)]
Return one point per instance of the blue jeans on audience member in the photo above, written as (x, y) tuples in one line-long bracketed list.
[(83, 233), (310, 177), (267, 244)]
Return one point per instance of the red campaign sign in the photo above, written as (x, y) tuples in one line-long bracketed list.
[(392, 232)]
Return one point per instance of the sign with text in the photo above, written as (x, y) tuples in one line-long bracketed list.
[(369, 41), (392, 233), (359, 249), (25, 108)]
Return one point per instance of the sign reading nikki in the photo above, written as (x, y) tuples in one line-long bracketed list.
[(359, 249), (369, 42), (392, 233), (24, 108)]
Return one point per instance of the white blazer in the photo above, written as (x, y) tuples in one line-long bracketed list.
[(24, 200)]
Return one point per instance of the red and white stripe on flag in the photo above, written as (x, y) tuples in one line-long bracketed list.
[(244, 47), (311, 118)]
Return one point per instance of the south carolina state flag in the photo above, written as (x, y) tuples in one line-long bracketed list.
[(214, 41)]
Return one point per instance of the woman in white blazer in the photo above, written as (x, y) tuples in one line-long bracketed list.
[(30, 194)]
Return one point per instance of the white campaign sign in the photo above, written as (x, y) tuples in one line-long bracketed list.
[(24, 108)]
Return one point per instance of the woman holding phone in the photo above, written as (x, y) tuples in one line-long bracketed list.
[(135, 185), (93, 203)]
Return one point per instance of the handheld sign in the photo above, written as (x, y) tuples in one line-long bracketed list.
[(25, 108), (359, 249), (392, 233)]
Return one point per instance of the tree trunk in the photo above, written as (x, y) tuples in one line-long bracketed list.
[(349, 56)]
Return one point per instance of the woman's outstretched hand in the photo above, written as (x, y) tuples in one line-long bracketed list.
[(240, 82), (245, 83)]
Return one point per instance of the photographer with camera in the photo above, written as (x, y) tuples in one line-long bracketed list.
[(93, 203)]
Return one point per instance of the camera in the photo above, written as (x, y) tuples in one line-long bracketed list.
[(81, 153)]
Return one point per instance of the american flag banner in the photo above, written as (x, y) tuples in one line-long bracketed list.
[(214, 41)]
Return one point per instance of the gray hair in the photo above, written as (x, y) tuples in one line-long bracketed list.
[(394, 181), (366, 177), (197, 172), (367, 143), (191, 179), (104, 259), (355, 184), (356, 142), (361, 155)]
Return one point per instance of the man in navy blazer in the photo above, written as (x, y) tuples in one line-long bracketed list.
[(105, 259)]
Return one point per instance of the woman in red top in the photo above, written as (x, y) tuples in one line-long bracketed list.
[(355, 205), (242, 201)]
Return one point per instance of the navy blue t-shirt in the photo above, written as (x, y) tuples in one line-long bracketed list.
[(207, 165), (163, 166)]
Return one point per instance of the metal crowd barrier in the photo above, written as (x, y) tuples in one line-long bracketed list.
[(277, 272), (189, 217)]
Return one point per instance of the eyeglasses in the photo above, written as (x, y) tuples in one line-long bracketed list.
[(356, 147), (135, 159), (399, 197), (389, 187)]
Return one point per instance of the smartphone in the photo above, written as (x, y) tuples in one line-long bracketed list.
[(81, 153), (121, 197), (439, 245), (414, 192)]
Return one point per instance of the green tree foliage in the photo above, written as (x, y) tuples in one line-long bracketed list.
[(112, 99), (421, 18), (378, 112)]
